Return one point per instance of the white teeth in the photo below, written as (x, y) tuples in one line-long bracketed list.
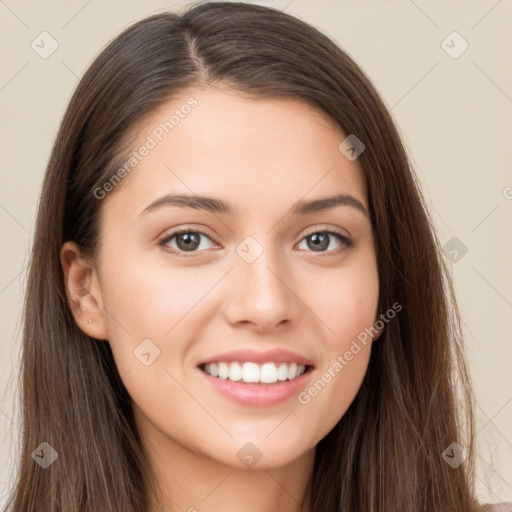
[(235, 372), (214, 370), (267, 373), (282, 371), (250, 372), (223, 371)]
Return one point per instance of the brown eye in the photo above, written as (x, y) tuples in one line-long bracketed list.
[(187, 240)]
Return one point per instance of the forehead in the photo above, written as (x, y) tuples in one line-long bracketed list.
[(220, 142)]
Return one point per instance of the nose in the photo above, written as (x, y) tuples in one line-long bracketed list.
[(260, 294)]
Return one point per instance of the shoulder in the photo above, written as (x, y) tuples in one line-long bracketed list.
[(498, 507)]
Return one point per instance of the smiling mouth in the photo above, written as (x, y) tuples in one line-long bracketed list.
[(254, 373)]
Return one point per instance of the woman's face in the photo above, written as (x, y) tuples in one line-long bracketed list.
[(260, 277)]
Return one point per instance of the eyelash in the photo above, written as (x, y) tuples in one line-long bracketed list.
[(346, 243)]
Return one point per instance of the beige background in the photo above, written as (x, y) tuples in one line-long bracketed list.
[(454, 115)]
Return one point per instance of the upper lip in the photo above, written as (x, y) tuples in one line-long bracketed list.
[(268, 356)]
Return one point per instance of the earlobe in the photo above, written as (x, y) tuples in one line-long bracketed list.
[(378, 336), (83, 292), (379, 333)]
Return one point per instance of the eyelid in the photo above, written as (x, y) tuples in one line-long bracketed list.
[(325, 228), (345, 240), (162, 241)]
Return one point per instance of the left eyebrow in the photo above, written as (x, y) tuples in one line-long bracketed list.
[(326, 203), (217, 205)]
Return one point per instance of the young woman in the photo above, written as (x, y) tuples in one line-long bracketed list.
[(237, 299)]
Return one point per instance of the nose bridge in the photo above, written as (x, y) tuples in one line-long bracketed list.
[(260, 275), (259, 267), (261, 294)]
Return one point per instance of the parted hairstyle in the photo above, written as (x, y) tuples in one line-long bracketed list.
[(385, 453)]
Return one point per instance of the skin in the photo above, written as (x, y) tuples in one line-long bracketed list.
[(261, 155)]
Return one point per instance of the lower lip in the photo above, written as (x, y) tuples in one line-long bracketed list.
[(257, 394)]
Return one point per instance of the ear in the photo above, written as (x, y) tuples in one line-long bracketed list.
[(375, 338), (83, 292)]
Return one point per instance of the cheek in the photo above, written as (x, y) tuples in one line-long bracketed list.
[(346, 314), (334, 388), (344, 302), (153, 302), (150, 299), (149, 314)]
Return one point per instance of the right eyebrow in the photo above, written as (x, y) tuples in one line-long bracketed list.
[(210, 204)]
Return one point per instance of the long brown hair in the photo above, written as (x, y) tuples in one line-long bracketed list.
[(385, 453)]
